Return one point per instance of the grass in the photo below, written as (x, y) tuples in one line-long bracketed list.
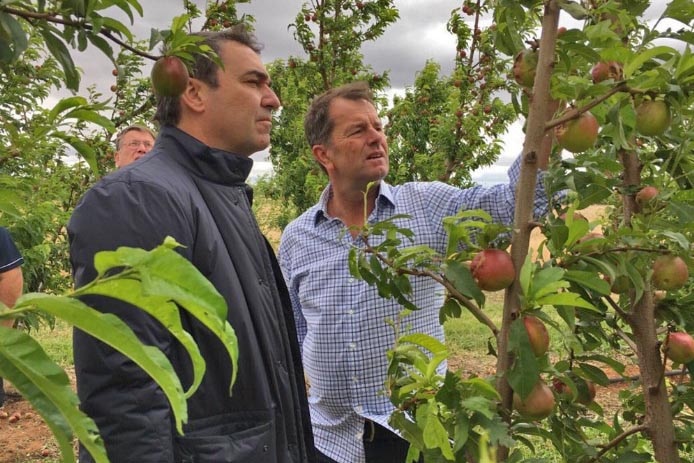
[(56, 342)]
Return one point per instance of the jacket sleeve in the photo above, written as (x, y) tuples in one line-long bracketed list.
[(130, 410)]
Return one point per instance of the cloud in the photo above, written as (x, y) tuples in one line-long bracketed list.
[(419, 35)]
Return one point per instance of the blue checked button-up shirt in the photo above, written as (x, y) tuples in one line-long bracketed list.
[(341, 321)]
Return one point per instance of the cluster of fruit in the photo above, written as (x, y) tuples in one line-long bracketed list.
[(580, 133)]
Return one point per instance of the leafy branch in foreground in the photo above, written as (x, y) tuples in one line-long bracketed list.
[(161, 282)]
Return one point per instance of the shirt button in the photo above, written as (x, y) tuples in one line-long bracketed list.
[(355, 379), (352, 345), (359, 409), (350, 280), (350, 311)]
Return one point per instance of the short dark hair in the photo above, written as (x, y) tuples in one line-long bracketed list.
[(204, 69), (317, 124), (133, 127)]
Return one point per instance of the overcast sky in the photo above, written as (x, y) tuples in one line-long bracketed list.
[(420, 34)]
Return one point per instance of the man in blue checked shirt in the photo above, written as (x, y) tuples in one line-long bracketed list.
[(341, 321)]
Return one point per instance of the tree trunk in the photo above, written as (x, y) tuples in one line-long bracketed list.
[(661, 429), (641, 319), (536, 145)]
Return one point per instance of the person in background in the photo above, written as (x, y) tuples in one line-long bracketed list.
[(341, 322), (11, 281), (132, 143), (192, 187)]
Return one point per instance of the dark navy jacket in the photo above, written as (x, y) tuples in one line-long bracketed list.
[(198, 196)]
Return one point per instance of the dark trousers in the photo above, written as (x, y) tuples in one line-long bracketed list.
[(380, 445)]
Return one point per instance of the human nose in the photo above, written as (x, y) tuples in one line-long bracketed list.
[(376, 135), (271, 100)]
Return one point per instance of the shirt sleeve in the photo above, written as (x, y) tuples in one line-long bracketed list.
[(284, 257), (9, 254)]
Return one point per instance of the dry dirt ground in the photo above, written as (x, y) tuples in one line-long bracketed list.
[(27, 439), (24, 436)]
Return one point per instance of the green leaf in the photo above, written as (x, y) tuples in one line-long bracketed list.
[(102, 45), (64, 105), (525, 275), (681, 10), (479, 405), (546, 277), (567, 298), (589, 280), (595, 374), (46, 386), (635, 64), (161, 309), (430, 343), (574, 9), (13, 35), (60, 52), (435, 435), (115, 333), (88, 115), (461, 431), (525, 370), (461, 277), (118, 27), (166, 273)]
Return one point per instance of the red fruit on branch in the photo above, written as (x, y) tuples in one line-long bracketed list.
[(669, 272), (577, 135), (561, 388), (538, 335), (646, 195), (605, 70), (169, 76), (652, 117), (539, 404), (524, 67), (493, 269), (680, 347), (586, 391), (591, 242)]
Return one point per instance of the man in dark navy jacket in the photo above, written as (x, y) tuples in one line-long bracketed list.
[(191, 186)]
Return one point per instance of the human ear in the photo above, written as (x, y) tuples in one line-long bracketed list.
[(320, 153), (194, 97)]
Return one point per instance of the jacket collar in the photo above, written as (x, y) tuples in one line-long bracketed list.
[(212, 164)]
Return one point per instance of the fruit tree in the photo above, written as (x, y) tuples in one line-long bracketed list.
[(623, 87)]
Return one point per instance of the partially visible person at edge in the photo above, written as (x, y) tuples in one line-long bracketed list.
[(132, 143), (11, 281), (192, 186), (340, 320)]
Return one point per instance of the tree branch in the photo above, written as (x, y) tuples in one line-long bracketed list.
[(574, 113), (53, 18), (614, 442), (472, 308)]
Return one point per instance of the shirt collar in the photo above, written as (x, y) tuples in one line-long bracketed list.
[(385, 194)]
